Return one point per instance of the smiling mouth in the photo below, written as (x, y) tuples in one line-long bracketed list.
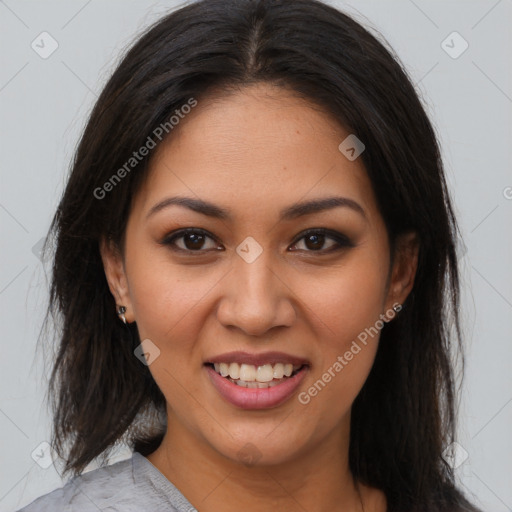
[(252, 376)]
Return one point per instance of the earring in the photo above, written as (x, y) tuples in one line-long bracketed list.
[(397, 307), (121, 310)]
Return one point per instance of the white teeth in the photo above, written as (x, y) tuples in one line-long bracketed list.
[(248, 375), (265, 373), (261, 385), (224, 369), (234, 371), (278, 371), (247, 372)]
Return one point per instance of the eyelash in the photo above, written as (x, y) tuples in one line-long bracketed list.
[(341, 240)]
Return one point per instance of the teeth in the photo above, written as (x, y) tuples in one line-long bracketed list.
[(265, 373), (278, 371), (247, 372), (261, 385), (234, 371), (224, 369), (248, 375)]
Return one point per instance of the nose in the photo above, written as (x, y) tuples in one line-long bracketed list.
[(255, 298)]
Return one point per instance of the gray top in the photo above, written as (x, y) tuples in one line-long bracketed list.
[(131, 485)]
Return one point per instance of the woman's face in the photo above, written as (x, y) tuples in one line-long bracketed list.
[(249, 287)]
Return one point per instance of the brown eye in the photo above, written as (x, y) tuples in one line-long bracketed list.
[(314, 242), (191, 240), (321, 240)]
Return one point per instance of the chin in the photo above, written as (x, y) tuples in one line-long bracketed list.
[(262, 449)]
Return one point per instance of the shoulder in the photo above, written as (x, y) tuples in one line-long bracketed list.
[(115, 485)]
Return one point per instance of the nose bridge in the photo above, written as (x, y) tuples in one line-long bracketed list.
[(255, 278), (256, 300)]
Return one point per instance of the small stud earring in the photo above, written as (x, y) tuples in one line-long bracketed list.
[(121, 310), (397, 307)]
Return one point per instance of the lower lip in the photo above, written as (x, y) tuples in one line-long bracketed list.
[(256, 398)]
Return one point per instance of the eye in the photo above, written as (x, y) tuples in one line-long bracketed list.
[(191, 240), (314, 240)]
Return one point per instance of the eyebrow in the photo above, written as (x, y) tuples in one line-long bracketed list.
[(292, 212)]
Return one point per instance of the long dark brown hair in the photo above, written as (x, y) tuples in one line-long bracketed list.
[(101, 394)]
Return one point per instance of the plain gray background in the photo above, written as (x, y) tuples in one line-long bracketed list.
[(44, 104)]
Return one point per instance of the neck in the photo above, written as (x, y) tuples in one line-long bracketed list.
[(318, 480)]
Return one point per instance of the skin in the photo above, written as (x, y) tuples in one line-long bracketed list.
[(255, 152)]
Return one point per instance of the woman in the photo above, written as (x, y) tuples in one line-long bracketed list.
[(256, 273)]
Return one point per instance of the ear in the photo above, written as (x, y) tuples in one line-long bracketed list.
[(404, 269), (116, 276)]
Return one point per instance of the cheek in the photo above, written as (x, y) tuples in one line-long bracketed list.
[(170, 305), (167, 299), (345, 301), (345, 311)]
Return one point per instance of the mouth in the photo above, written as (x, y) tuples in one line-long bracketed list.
[(251, 381), (252, 376)]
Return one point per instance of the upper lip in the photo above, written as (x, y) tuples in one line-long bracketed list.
[(258, 359)]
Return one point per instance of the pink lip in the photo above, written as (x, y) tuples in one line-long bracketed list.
[(255, 398), (258, 359)]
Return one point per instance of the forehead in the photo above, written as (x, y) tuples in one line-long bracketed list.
[(256, 149)]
